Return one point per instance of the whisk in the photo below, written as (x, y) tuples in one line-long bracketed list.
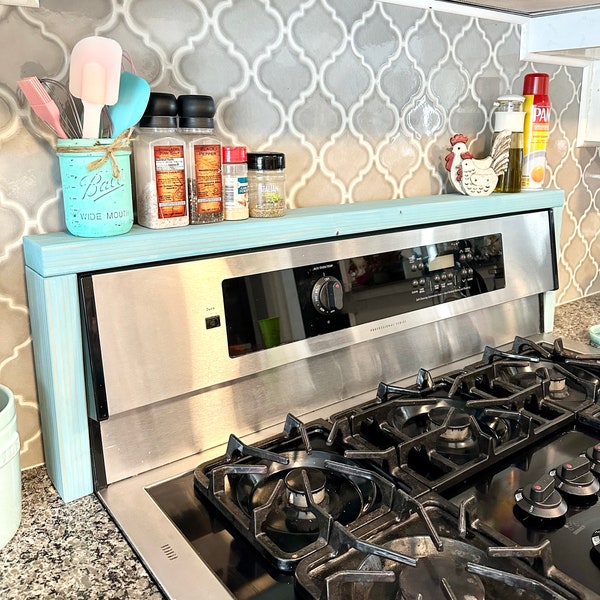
[(70, 119), (69, 115), (71, 111)]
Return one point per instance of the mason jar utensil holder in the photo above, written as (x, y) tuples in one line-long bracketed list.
[(96, 184)]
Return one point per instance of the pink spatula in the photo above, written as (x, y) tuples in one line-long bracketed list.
[(94, 75), (41, 103)]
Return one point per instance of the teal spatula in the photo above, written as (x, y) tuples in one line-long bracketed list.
[(134, 92)]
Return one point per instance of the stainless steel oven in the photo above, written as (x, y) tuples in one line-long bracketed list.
[(317, 420)]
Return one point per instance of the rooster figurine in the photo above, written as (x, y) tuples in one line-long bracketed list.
[(477, 177)]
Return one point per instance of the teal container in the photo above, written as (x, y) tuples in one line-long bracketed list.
[(96, 182), (10, 468)]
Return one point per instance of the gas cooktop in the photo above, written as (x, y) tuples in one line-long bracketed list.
[(481, 482)]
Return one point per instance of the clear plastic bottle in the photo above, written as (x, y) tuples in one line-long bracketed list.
[(235, 183), (509, 115), (160, 166), (266, 184), (203, 158)]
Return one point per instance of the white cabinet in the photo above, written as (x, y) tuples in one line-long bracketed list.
[(571, 38), (564, 32)]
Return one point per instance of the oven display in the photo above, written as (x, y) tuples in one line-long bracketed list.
[(269, 309)]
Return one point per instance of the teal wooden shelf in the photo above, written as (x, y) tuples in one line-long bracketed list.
[(62, 253)]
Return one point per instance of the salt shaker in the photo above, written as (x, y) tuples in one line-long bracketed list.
[(235, 183)]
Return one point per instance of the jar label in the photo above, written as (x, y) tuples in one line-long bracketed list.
[(169, 167), (207, 173), (235, 192), (269, 193), (536, 133)]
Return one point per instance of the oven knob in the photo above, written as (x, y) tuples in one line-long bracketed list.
[(576, 478), (540, 499), (327, 295), (593, 455)]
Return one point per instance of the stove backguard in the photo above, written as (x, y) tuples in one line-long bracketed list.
[(178, 356)]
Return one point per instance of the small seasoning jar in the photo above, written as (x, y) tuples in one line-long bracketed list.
[(266, 184), (235, 183)]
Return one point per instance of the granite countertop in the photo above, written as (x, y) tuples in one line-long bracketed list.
[(573, 320), (68, 551), (75, 551)]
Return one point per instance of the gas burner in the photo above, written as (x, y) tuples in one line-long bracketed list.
[(497, 428), (575, 479), (468, 562), (457, 440), (283, 495), (457, 423), (440, 578), (515, 386), (557, 382), (437, 575), (548, 381), (541, 500), (343, 498), (532, 376), (458, 437), (294, 483), (298, 519), (584, 367)]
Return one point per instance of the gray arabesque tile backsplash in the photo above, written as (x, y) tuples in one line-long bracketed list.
[(362, 96)]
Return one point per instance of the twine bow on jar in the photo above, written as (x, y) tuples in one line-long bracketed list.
[(122, 142)]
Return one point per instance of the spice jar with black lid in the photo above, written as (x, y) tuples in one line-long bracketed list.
[(203, 158), (159, 161), (266, 184)]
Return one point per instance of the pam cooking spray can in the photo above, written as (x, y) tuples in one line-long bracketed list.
[(536, 130)]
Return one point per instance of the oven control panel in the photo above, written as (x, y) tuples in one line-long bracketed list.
[(211, 320), (320, 298)]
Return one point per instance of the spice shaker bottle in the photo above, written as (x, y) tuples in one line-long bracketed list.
[(235, 183), (266, 184), (203, 158), (160, 166), (509, 115), (536, 131)]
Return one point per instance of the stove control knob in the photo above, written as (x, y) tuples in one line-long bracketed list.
[(540, 499), (328, 295), (593, 455), (576, 478)]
